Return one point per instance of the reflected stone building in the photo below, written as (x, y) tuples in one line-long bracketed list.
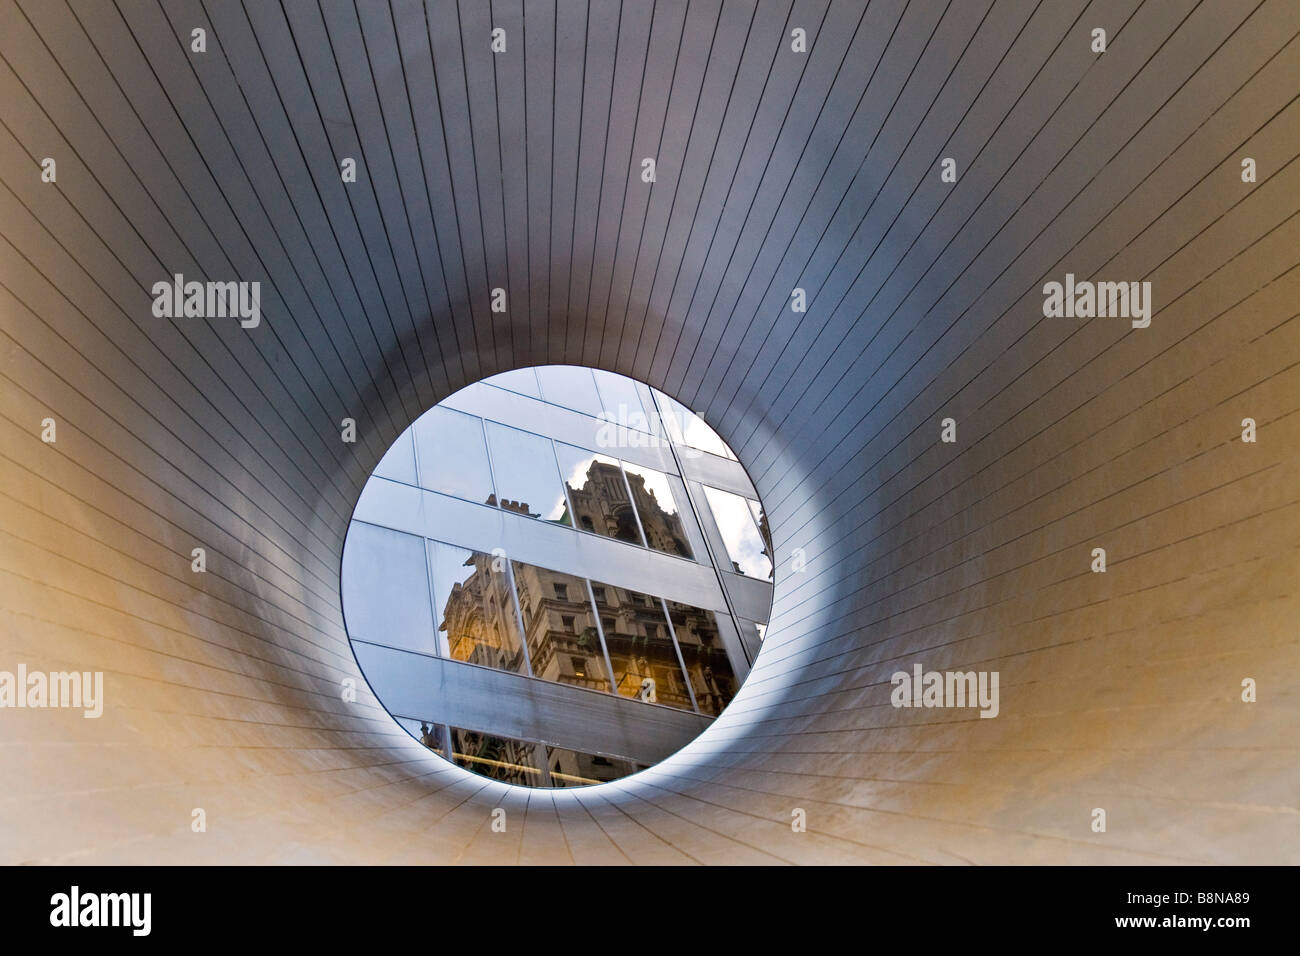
[(601, 503), (563, 641), (563, 595), (479, 619)]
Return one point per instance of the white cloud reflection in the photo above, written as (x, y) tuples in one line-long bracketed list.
[(739, 532)]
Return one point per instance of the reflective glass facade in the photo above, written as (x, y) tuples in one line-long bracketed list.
[(474, 598), (545, 524), (501, 758), (523, 762), (599, 499), (646, 662), (564, 642), (738, 522)]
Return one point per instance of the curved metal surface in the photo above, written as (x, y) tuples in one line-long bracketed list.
[(775, 170)]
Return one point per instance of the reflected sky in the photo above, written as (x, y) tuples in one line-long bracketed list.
[(656, 482), (570, 386), (452, 456), (739, 532), (522, 380), (386, 588), (688, 428), (620, 400), (398, 463), (524, 467)]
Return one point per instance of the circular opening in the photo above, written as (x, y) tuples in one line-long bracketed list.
[(556, 577)]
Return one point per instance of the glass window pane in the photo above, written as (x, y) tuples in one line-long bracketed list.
[(597, 493), (477, 622), (620, 400), (398, 463), (570, 768), (735, 523), (453, 458), (706, 658), (521, 380), (641, 647), (690, 518), (687, 428), (571, 387), (513, 761), (751, 635), (426, 733), (527, 482), (492, 404), (760, 519), (563, 643), (386, 589), (660, 519)]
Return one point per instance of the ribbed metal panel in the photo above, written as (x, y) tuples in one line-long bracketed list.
[(775, 170)]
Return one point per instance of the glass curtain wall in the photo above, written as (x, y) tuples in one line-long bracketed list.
[(467, 601)]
